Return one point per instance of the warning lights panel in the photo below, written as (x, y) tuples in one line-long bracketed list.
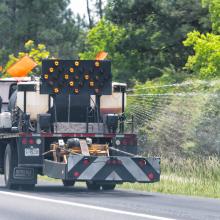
[(76, 77)]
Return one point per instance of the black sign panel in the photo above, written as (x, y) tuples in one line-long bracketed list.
[(76, 77)]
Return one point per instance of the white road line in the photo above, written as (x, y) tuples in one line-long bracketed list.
[(81, 205)]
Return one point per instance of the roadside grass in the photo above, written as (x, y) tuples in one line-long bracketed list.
[(48, 179), (191, 176)]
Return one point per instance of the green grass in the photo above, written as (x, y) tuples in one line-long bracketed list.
[(191, 176)]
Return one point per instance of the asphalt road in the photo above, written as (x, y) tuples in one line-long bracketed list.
[(51, 201)]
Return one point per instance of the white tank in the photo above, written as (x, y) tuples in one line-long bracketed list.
[(36, 103), (5, 120), (111, 104)]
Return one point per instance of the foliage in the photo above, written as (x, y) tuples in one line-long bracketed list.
[(176, 117), (47, 21), (214, 8), (194, 176), (206, 61), (36, 52), (105, 36), (154, 34)]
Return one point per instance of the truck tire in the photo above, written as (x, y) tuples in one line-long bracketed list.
[(108, 186), (2, 151), (10, 162), (68, 182), (93, 186)]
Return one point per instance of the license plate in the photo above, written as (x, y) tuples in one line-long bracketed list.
[(23, 173), (32, 152)]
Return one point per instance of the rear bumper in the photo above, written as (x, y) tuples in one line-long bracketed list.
[(108, 169)]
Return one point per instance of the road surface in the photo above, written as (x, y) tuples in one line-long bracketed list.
[(51, 201)]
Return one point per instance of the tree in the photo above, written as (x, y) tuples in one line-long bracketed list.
[(105, 36), (95, 11), (214, 9), (89, 14), (46, 21), (154, 33), (99, 5), (205, 61)]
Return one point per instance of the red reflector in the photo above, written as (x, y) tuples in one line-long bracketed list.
[(150, 176), (86, 162), (24, 141), (114, 162), (31, 141), (76, 174), (142, 162)]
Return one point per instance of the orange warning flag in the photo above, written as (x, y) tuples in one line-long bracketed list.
[(101, 55), (22, 67)]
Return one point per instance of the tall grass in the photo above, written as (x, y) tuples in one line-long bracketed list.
[(189, 176)]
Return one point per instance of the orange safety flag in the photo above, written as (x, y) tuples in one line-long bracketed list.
[(101, 55), (22, 67)]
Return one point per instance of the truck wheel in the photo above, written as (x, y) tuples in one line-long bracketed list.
[(108, 186), (93, 186), (10, 162), (68, 182)]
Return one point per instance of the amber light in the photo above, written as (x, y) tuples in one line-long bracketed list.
[(56, 63), (76, 91), (46, 76), (97, 64), (66, 76), (86, 77), (71, 70), (91, 84), (71, 83), (51, 69), (56, 90), (76, 63)]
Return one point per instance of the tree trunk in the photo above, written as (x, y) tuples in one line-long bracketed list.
[(13, 23), (89, 14), (100, 9)]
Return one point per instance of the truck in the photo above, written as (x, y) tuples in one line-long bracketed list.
[(69, 123)]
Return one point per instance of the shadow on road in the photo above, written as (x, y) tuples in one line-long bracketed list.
[(81, 192)]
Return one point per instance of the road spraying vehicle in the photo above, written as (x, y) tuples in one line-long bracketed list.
[(69, 124)]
